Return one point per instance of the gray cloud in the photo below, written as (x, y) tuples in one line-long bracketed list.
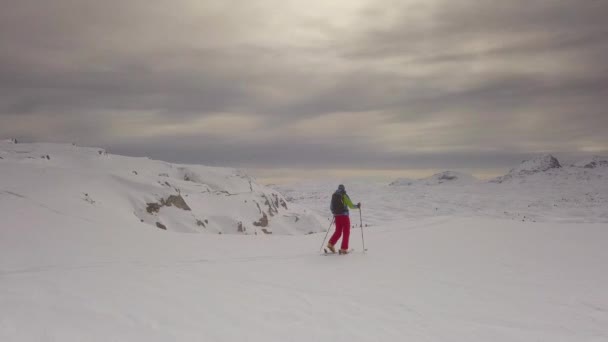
[(481, 81)]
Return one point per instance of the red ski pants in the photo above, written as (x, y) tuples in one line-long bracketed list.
[(342, 229)]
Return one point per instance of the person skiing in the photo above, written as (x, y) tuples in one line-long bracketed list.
[(340, 203)]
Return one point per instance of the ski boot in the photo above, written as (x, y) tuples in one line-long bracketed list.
[(331, 248)]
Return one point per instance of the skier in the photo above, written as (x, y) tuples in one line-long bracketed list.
[(340, 202)]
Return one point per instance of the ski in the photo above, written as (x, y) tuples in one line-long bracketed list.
[(328, 252)]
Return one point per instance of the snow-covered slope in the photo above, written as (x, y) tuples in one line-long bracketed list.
[(435, 279), (95, 186)]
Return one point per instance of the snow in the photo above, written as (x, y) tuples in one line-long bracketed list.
[(71, 270)]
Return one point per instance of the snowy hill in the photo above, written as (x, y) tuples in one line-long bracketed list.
[(95, 186)]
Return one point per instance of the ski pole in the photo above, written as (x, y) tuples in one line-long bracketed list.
[(323, 244), (361, 225)]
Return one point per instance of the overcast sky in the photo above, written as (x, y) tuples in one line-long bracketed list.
[(316, 84)]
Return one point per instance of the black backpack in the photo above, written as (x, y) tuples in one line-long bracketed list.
[(337, 204)]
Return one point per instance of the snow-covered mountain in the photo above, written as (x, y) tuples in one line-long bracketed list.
[(93, 185)]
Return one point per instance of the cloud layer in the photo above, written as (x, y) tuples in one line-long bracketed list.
[(352, 84)]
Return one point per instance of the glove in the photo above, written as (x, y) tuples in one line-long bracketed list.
[(359, 205)]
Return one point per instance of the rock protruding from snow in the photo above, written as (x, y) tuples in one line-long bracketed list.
[(402, 182), (449, 177), (594, 162), (539, 164), (173, 200), (446, 177)]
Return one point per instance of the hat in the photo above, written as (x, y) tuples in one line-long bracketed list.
[(341, 187)]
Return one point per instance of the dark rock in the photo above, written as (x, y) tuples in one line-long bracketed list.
[(161, 226), (176, 201), (447, 177), (263, 222), (153, 208), (173, 200), (283, 204)]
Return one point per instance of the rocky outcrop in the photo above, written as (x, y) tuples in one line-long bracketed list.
[(171, 201), (446, 177), (402, 182), (262, 222), (450, 177)]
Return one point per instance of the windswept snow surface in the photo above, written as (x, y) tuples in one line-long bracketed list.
[(69, 275)]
